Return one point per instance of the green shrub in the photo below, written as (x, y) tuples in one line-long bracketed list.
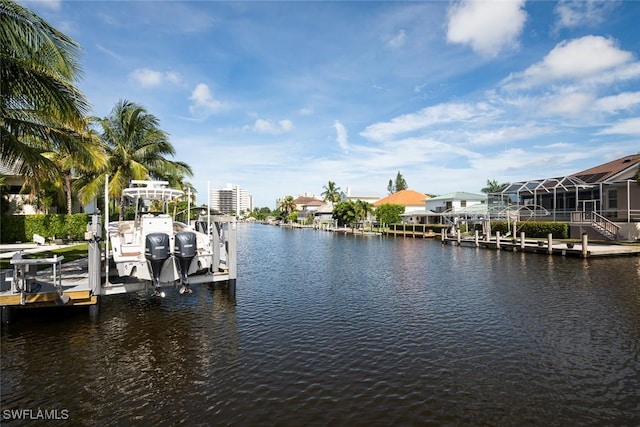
[(536, 229), (21, 228)]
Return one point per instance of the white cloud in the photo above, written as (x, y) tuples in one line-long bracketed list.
[(508, 134), (268, 126), (569, 103), (397, 40), (621, 101), (572, 14), (341, 136), (203, 102), (487, 26), (575, 59), (429, 116), (286, 125), (623, 127), (146, 77)]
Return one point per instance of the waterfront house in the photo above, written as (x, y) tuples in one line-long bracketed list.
[(434, 208), (21, 203), (324, 214), (413, 201), (306, 206), (602, 201)]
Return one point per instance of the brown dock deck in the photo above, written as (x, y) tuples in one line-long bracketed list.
[(541, 246), (43, 291)]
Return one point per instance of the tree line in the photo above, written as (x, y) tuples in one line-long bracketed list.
[(346, 212)]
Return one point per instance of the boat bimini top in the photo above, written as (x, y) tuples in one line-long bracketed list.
[(151, 190)]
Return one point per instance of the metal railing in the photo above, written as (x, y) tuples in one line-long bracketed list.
[(597, 221)]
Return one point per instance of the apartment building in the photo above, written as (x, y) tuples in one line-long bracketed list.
[(231, 200)]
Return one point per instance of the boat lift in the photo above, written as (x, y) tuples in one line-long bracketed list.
[(84, 282)]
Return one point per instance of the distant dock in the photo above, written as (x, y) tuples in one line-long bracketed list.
[(583, 249), (546, 246)]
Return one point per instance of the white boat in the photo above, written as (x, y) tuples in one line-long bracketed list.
[(152, 246)]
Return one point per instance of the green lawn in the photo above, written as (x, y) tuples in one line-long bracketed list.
[(70, 253)]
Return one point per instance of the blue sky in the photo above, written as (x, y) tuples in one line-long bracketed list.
[(283, 97)]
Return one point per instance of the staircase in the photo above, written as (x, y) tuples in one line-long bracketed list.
[(597, 222)]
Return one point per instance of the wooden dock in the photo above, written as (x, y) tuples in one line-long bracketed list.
[(546, 247)]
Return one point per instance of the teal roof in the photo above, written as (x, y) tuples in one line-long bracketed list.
[(459, 195)]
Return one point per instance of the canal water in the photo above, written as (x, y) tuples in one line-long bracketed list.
[(341, 330)]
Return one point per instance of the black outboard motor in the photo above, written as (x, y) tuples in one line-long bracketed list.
[(156, 251), (185, 250)]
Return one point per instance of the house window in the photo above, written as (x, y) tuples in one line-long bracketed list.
[(463, 203), (613, 199)]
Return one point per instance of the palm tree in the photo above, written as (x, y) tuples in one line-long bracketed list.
[(363, 209), (351, 212), (288, 205), (493, 187), (40, 106), (331, 193), (76, 163), (136, 147)]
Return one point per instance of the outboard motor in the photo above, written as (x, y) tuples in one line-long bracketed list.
[(185, 251), (156, 251)]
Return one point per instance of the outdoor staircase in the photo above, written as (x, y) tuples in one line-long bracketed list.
[(596, 222)]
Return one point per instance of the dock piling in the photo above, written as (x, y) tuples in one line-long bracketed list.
[(232, 251)]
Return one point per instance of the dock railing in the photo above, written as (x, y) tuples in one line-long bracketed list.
[(597, 221)]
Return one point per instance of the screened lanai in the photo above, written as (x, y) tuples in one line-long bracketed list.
[(560, 196)]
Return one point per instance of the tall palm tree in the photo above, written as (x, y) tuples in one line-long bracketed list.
[(331, 193), (40, 107), (136, 147)]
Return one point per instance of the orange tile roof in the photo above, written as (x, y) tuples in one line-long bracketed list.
[(608, 170), (405, 198)]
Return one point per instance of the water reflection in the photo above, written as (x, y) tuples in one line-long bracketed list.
[(339, 330)]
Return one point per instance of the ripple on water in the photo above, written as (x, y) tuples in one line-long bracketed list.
[(335, 330)]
